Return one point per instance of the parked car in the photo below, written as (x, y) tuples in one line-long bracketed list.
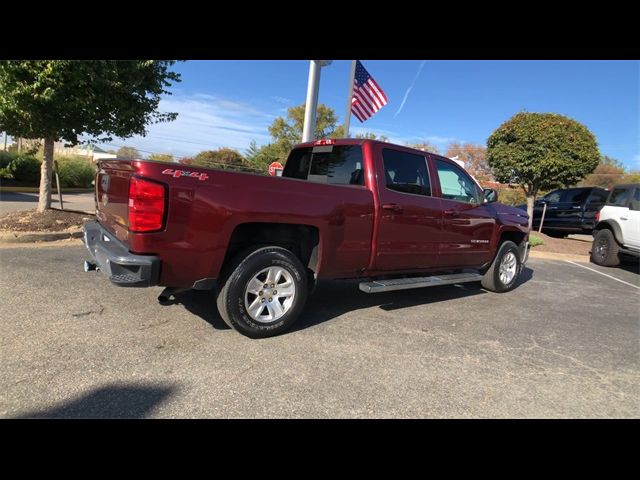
[(391, 216), (569, 210), (618, 229)]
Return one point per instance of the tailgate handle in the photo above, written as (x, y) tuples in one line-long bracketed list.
[(394, 207)]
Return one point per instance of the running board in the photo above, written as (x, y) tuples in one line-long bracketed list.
[(418, 282)]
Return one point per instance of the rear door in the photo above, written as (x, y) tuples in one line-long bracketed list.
[(467, 222), (634, 220), (408, 214), (567, 213), (620, 206)]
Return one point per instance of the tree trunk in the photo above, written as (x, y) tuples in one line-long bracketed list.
[(530, 201), (44, 201)]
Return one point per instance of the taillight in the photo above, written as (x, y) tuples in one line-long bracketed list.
[(325, 141), (597, 216), (146, 205)]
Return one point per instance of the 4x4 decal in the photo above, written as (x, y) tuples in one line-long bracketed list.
[(185, 173)]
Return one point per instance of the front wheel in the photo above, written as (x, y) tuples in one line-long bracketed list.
[(264, 293), (503, 272)]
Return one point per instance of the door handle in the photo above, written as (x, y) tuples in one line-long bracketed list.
[(450, 213), (624, 218), (394, 207)]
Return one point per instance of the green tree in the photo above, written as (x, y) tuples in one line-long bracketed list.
[(287, 132), (372, 136), (63, 99), (608, 172), (161, 157), (424, 146), (223, 158), (541, 151), (128, 152), (261, 157)]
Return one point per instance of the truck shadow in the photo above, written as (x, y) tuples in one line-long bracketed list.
[(333, 298), (112, 401)]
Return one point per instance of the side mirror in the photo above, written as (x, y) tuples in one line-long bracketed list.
[(490, 195), (634, 205)]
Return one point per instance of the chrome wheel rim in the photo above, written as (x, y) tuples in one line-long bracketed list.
[(269, 294), (508, 267)]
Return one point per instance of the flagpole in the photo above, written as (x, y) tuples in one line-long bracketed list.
[(349, 98)]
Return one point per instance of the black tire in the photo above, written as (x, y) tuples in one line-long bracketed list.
[(491, 279), (231, 291), (605, 250)]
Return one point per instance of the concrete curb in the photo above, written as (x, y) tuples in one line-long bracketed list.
[(558, 256), (32, 237)]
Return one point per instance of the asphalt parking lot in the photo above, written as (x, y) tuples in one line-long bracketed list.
[(14, 201), (565, 343)]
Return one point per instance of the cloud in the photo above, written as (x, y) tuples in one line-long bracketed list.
[(406, 94), (282, 100), (204, 122)]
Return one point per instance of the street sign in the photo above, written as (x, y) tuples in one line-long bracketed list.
[(274, 167)]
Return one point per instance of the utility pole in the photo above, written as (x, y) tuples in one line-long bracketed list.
[(311, 105), (5, 141)]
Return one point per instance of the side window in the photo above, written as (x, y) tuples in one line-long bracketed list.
[(635, 202), (553, 197), (406, 172), (335, 165), (619, 197), (456, 184)]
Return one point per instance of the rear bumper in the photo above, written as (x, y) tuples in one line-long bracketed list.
[(112, 256)]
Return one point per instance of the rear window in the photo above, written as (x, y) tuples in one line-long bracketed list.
[(575, 195), (619, 197), (335, 165), (598, 196)]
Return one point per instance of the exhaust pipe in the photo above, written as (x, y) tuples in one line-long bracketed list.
[(90, 267)]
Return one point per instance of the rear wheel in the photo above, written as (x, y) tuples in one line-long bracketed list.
[(503, 272), (264, 292), (605, 250)]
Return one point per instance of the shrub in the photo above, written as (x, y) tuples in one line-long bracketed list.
[(26, 169), (6, 158), (75, 172), (535, 241)]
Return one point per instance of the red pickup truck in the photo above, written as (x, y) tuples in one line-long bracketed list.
[(392, 216)]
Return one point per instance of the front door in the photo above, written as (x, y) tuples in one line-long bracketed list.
[(467, 222), (409, 215)]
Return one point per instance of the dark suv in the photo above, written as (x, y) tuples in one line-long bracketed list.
[(569, 210)]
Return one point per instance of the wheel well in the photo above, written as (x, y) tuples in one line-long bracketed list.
[(515, 237), (302, 240), (615, 229)]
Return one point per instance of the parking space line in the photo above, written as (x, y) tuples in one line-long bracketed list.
[(593, 270)]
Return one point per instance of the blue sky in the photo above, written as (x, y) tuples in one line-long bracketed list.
[(229, 103)]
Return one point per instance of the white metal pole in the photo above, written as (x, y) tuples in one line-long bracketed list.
[(349, 97), (312, 102)]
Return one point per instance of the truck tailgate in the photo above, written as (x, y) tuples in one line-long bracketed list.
[(112, 196)]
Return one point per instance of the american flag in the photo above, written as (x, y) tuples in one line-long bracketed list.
[(368, 97)]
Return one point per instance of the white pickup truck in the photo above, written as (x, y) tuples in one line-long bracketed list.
[(617, 230)]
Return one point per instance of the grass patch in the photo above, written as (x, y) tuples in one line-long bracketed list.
[(535, 241)]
